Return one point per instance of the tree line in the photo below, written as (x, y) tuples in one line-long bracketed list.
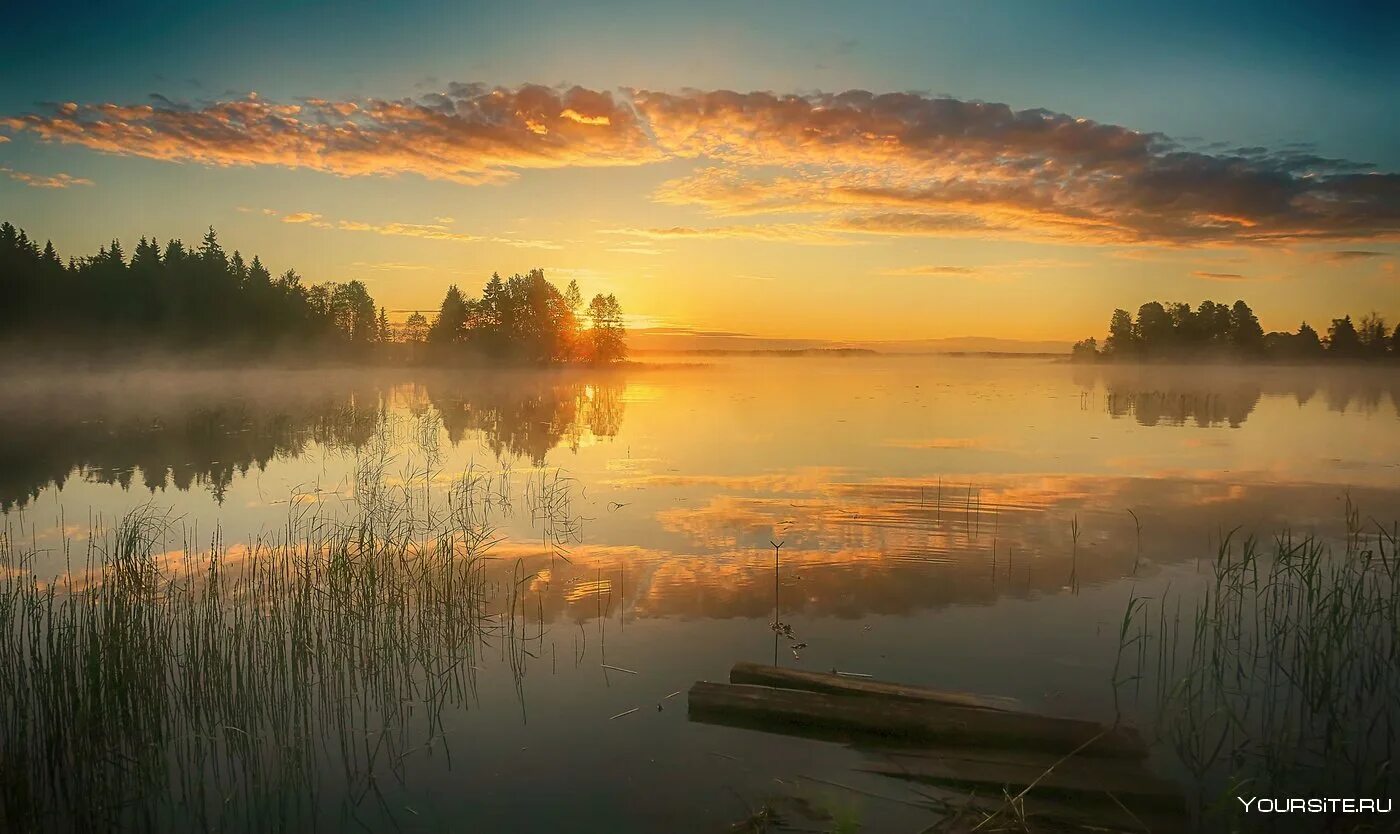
[(204, 298), (1172, 330), (525, 318)]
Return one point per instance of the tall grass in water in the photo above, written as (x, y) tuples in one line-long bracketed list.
[(1285, 679), (260, 687)]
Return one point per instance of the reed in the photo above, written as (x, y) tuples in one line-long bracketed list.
[(1285, 678), (258, 686)]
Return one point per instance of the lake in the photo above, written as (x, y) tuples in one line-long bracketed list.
[(965, 523)]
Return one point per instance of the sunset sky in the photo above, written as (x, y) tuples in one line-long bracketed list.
[(845, 170)]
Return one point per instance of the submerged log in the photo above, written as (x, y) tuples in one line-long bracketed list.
[(1061, 814), (777, 676), (1075, 777), (924, 722)]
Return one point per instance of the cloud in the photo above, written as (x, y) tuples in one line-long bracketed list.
[(915, 165), (41, 181), (425, 231), (301, 217), (470, 133), (936, 271), (855, 163), (986, 272), (1343, 255), (1138, 254), (789, 232), (392, 266), (1220, 276), (637, 250)]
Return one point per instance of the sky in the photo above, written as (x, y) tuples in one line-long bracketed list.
[(787, 169)]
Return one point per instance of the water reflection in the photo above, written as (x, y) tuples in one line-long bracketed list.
[(886, 548), (961, 524), (527, 417), (196, 431), (1211, 396)]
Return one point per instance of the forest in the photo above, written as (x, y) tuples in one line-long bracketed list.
[(1215, 331), (205, 299)]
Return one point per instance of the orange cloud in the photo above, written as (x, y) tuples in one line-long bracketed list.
[(573, 115), (935, 166), (637, 250), (1219, 276), (395, 266), (471, 133), (40, 181), (301, 217), (1343, 255), (859, 163), (933, 271), (790, 232), (425, 231)]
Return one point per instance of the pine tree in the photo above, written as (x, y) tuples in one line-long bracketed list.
[(450, 327), (383, 333)]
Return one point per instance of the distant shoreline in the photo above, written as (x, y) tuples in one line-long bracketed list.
[(848, 352)]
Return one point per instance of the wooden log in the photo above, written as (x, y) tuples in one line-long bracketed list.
[(776, 676), (1048, 813), (910, 722), (1075, 777)]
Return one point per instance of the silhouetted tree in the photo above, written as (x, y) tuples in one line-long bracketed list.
[(1373, 335), (1173, 331), (415, 328), (1245, 333), (1304, 344), (1120, 341), (169, 296), (183, 298), (450, 326), (382, 331), (1153, 329), (494, 319), (1308, 341), (1342, 339), (1213, 322), (607, 336)]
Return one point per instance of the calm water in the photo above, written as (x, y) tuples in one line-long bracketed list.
[(926, 507)]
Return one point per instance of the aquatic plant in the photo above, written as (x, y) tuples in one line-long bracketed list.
[(1281, 676), (259, 686)]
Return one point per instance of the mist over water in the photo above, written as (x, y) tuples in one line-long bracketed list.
[(962, 523)]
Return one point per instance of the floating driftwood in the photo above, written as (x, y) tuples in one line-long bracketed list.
[(926, 722), (1042, 813), (1067, 770), (1076, 771), (836, 684), (1017, 769)]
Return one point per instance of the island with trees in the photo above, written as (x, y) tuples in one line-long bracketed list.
[(1172, 331), (203, 299)]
